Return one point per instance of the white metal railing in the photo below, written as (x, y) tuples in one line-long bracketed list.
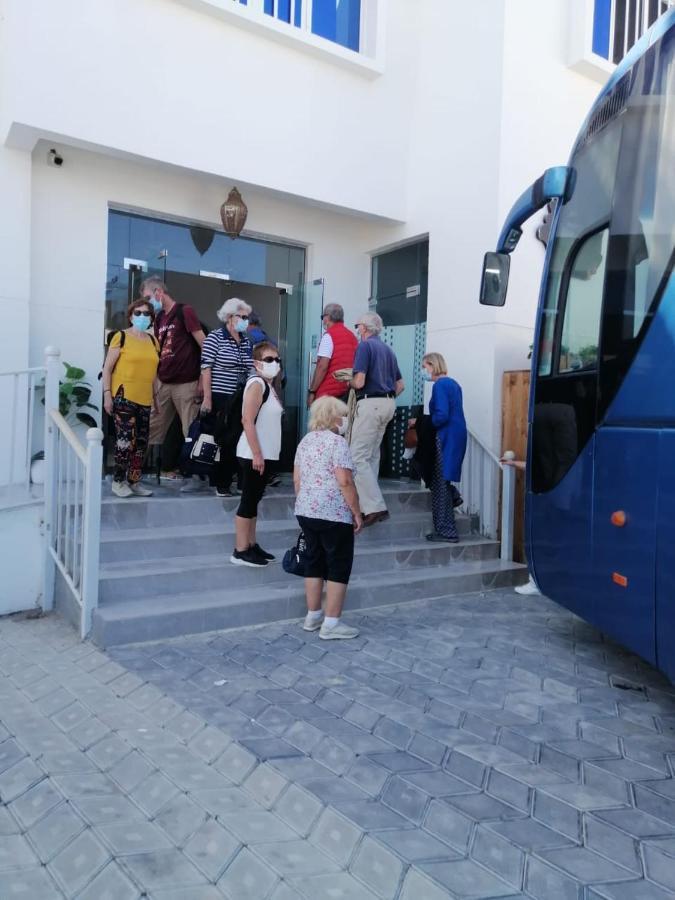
[(484, 481), (628, 20), (19, 399), (72, 503)]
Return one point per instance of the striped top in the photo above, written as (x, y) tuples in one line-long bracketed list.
[(231, 362)]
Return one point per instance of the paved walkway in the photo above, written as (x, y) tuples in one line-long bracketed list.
[(487, 746)]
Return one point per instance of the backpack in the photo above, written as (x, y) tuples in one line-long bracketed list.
[(123, 337), (266, 393)]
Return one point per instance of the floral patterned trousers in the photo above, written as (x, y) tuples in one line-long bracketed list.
[(132, 427)]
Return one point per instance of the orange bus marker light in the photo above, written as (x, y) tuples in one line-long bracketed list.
[(621, 580), (618, 518)]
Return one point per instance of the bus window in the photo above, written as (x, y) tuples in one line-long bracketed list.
[(583, 303), (642, 229)]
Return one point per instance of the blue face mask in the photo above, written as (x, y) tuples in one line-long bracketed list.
[(426, 375), (141, 322), (156, 304), (241, 325)]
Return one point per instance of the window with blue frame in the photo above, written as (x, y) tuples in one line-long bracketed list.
[(338, 21), (618, 24)]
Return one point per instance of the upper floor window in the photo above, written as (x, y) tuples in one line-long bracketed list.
[(618, 24), (338, 21)]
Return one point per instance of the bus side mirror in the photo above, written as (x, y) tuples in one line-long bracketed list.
[(495, 280)]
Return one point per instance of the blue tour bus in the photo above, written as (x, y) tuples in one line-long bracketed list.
[(600, 511)]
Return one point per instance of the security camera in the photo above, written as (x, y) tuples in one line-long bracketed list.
[(54, 159)]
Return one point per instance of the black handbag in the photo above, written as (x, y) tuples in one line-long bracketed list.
[(294, 559)]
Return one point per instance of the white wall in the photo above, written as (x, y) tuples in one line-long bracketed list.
[(69, 240), (158, 80), (21, 554)]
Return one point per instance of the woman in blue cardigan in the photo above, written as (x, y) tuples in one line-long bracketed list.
[(447, 416)]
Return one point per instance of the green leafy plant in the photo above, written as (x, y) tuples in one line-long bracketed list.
[(74, 396)]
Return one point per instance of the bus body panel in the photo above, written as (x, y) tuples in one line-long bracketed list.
[(665, 557), (624, 552)]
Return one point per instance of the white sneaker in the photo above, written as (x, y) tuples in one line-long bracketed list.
[(529, 589), (193, 485), (140, 491), (338, 632), (121, 489), (311, 623)]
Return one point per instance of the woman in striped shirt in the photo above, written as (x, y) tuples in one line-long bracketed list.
[(227, 362)]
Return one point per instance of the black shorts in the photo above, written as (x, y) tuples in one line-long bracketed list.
[(330, 549), (253, 486)]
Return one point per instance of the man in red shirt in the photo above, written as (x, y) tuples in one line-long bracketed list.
[(336, 352), (180, 336)]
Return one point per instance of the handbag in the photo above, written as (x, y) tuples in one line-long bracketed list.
[(294, 559), (200, 450)]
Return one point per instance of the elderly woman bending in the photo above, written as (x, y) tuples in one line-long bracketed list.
[(327, 508), (227, 363)]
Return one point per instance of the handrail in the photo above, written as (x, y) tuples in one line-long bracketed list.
[(72, 504), (68, 434), (485, 482), (32, 371)]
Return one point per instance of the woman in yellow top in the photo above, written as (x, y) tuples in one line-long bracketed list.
[(128, 378)]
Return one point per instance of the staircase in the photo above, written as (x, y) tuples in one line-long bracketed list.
[(165, 567)]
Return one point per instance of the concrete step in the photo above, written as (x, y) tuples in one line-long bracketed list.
[(128, 621), (149, 578), (204, 538), (168, 507)]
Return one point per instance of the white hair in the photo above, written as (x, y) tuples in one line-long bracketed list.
[(233, 307), (372, 322)]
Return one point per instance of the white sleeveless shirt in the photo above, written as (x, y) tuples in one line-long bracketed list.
[(268, 426)]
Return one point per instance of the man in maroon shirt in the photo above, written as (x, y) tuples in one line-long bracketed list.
[(180, 336)]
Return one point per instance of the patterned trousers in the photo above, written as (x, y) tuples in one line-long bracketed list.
[(132, 428), (442, 499)]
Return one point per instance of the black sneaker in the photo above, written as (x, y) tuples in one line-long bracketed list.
[(247, 558), (256, 548), (225, 492)]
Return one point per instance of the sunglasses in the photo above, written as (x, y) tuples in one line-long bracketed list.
[(141, 312), (270, 359), (245, 318), (358, 324)]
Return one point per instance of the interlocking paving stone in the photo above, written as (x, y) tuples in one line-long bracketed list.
[(76, 865), (162, 868), (29, 884), (291, 859), (258, 826), (464, 878), (180, 817), (10, 753), (35, 803), (153, 792), (17, 779), (585, 866), (299, 809), (54, 831), (133, 837), (211, 848), (370, 815), (15, 853), (247, 878), (521, 720), (379, 868), (110, 884)]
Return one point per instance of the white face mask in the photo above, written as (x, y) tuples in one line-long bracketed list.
[(344, 424), (269, 370)]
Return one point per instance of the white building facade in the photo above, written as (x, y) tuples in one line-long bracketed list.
[(378, 145)]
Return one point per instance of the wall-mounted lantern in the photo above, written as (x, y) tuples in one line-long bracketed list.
[(233, 212)]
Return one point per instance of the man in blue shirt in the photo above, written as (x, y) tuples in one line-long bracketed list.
[(377, 381)]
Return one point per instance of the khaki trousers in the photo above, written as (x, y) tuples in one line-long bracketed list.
[(370, 421), (171, 399)]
